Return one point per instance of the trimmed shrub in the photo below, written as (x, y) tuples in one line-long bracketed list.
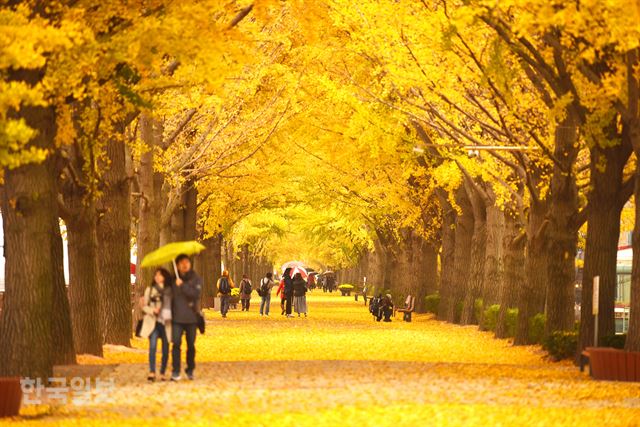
[(511, 321), (536, 328), (561, 344), (478, 306), (346, 286), (491, 317), (431, 303), (615, 341)]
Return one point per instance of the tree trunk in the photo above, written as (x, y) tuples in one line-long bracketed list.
[(209, 266), (426, 270), (462, 255), (513, 262), (532, 293), (633, 335), (606, 200), (562, 231), (148, 235), (83, 278), (447, 255), (493, 265), (114, 259), (29, 211), (475, 281), (64, 352)]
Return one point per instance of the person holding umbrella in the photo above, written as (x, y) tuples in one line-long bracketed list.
[(156, 324), (186, 296)]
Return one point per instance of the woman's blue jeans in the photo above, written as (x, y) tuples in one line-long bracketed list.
[(158, 333)]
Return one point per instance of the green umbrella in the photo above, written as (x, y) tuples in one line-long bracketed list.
[(169, 252)]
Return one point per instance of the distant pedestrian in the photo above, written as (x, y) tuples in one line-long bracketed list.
[(266, 285), (186, 298), (288, 291), (246, 287), (156, 324), (283, 299), (300, 295), (225, 284)]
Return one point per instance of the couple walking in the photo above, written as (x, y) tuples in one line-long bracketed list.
[(170, 307), (293, 290)]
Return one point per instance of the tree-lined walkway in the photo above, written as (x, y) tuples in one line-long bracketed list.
[(340, 367)]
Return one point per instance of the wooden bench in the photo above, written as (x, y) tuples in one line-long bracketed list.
[(606, 363), (409, 307)]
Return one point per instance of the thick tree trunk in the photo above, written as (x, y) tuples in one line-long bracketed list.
[(562, 232), (114, 237), (633, 335), (493, 265), (462, 255), (513, 243), (532, 293), (475, 282), (61, 331), (606, 200), (447, 255), (83, 277), (29, 211), (427, 271)]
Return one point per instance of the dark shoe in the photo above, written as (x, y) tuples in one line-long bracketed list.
[(189, 375), (151, 377)]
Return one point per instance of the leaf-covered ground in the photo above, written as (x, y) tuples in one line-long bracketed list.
[(338, 367)]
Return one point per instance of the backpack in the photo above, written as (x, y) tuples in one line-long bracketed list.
[(264, 287), (224, 287), (246, 288)]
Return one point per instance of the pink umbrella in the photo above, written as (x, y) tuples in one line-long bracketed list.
[(300, 270)]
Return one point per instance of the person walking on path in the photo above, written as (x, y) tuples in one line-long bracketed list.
[(224, 285), (156, 323), (288, 291), (299, 295), (186, 297), (245, 292), (266, 285), (283, 299)]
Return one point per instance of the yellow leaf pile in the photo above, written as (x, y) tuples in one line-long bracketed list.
[(339, 367)]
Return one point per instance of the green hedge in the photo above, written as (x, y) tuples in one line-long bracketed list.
[(615, 341), (561, 344), (536, 328), (432, 303)]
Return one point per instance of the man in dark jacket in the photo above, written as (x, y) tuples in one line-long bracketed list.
[(288, 291), (186, 297)]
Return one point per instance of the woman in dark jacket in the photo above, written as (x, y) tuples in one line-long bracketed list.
[(300, 295), (288, 291)]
